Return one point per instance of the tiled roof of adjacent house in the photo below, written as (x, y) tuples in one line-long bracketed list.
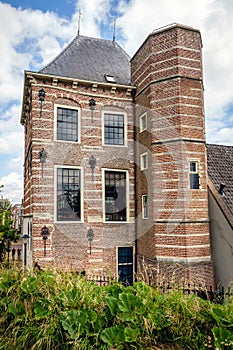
[(220, 170), (91, 59)]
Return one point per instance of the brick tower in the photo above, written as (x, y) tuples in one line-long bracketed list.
[(173, 221)]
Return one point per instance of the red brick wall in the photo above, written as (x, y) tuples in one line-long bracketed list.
[(67, 245), (167, 70)]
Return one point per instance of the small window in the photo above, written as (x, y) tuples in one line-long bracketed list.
[(115, 196), (145, 206), (144, 161), (110, 78), (68, 194), (114, 129), (67, 124), (194, 176), (143, 122)]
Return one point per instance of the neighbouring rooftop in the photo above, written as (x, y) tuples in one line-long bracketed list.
[(220, 168)]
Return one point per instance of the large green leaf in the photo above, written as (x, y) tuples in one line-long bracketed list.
[(71, 298), (222, 337), (78, 322), (131, 334), (112, 303), (29, 285), (42, 309), (15, 308), (223, 315), (113, 335)]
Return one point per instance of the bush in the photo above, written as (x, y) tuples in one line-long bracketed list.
[(60, 310)]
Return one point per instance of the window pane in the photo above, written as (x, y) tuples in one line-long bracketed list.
[(143, 122), (68, 195), (125, 265), (193, 167), (194, 181), (115, 196), (67, 124), (144, 161), (113, 129), (145, 206), (125, 255)]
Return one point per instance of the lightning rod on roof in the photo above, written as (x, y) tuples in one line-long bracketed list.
[(114, 29), (79, 20)]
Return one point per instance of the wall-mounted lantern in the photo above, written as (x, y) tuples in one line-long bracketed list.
[(45, 233), (43, 156), (41, 95), (92, 105), (92, 163), (25, 238), (90, 236)]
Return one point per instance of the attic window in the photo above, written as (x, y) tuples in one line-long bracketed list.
[(110, 78)]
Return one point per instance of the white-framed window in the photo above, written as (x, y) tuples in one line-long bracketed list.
[(68, 194), (143, 122), (145, 206), (125, 264), (67, 123), (194, 175), (115, 196), (114, 128), (144, 161)]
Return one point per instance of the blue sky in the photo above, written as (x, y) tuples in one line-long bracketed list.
[(32, 33), (64, 8)]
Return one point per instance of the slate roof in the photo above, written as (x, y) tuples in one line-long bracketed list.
[(91, 59), (220, 170)]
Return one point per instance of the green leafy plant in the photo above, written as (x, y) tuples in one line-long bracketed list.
[(51, 309)]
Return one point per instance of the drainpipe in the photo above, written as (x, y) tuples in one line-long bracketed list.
[(135, 185)]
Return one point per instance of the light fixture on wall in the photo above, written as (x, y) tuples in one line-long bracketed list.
[(41, 95), (92, 163), (45, 233), (92, 105), (90, 236), (43, 156), (25, 238)]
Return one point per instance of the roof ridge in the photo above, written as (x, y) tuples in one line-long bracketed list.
[(218, 145)]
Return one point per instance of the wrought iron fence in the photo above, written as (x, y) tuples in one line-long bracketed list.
[(216, 295)]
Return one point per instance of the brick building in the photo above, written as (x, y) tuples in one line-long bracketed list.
[(115, 157)]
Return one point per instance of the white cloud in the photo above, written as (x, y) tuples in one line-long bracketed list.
[(214, 20), (94, 13), (222, 136), (13, 187), (140, 18), (30, 39), (11, 132), (15, 163)]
